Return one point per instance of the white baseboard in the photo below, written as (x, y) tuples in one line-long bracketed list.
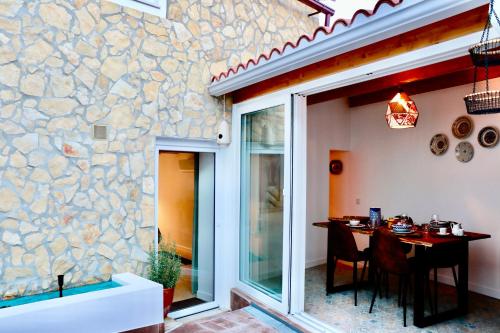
[(475, 287), (322, 261), (315, 262)]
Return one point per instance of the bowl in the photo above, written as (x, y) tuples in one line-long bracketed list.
[(354, 222), (401, 227)]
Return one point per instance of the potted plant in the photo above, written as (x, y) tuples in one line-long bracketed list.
[(165, 269)]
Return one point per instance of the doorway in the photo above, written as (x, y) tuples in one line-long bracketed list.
[(186, 210)]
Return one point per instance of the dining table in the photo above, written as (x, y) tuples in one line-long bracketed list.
[(421, 240)]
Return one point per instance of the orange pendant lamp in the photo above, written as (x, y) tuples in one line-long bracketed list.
[(401, 111)]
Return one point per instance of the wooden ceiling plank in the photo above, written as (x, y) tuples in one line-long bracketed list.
[(447, 29), (461, 77), (394, 80)]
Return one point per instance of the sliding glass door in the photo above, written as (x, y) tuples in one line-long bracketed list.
[(264, 238)]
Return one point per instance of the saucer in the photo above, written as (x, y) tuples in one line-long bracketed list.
[(403, 232), (442, 235), (356, 226)]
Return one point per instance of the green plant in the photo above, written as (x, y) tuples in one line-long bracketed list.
[(164, 265)]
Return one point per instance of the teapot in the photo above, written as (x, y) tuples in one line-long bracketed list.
[(456, 228), (404, 219)]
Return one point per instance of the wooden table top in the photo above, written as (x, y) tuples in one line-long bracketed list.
[(428, 239)]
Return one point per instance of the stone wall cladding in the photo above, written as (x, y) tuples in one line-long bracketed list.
[(71, 204)]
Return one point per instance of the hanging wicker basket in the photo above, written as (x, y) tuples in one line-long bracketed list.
[(484, 102), (486, 53)]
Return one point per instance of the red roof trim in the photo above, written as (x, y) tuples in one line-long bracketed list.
[(309, 38)]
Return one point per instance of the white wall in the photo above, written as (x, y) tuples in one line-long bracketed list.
[(321, 138), (395, 170)]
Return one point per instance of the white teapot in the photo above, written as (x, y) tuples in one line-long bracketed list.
[(456, 229)]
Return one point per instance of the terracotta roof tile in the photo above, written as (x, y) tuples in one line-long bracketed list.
[(321, 31)]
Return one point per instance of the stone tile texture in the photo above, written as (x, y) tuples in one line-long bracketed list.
[(83, 207), (237, 321)]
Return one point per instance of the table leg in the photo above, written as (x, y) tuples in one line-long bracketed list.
[(463, 279), (419, 295), (371, 268), (329, 263)]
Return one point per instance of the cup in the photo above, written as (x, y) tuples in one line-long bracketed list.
[(442, 231), (354, 222)]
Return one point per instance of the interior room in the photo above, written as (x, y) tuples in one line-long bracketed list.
[(395, 170), (186, 219)]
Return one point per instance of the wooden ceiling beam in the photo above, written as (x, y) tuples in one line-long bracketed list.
[(435, 33), (457, 78), (394, 80)]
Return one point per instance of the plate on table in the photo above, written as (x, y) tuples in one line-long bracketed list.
[(361, 225), (437, 234), (403, 232)]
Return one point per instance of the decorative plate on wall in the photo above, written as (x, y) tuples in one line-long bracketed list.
[(439, 144), (464, 152), (336, 167), (488, 137), (462, 127)]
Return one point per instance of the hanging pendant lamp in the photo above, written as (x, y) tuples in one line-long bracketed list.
[(484, 54), (401, 111)]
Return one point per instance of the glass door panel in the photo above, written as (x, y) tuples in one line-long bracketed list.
[(186, 209), (262, 202)]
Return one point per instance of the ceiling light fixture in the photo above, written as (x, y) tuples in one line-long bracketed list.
[(401, 111)]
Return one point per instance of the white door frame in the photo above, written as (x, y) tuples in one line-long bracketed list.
[(421, 57), (239, 110), (200, 146)]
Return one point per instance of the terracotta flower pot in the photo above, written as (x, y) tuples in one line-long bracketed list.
[(168, 298)]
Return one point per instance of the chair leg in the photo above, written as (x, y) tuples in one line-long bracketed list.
[(376, 287), (454, 276), (355, 282), (386, 285), (435, 290), (382, 284), (363, 271), (428, 291), (399, 290), (405, 292), (333, 275)]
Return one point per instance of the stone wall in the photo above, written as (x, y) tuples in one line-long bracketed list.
[(71, 204)]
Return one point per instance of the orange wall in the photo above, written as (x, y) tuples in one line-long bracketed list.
[(339, 185), (176, 201)]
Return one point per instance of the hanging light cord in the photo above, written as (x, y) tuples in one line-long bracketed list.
[(486, 33)]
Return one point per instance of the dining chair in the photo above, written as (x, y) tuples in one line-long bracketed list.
[(344, 248), (443, 257), (389, 257)]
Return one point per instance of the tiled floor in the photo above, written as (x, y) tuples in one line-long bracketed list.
[(183, 289), (239, 321), (338, 309)]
